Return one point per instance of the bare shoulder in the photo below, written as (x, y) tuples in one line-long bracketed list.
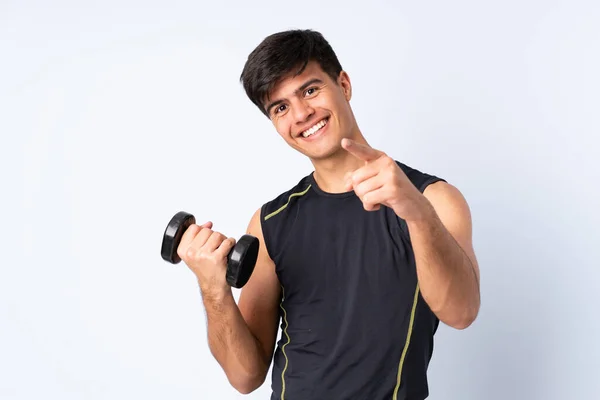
[(259, 298), (448, 199)]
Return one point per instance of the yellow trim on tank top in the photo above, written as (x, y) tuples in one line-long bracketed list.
[(409, 333), (285, 344), (288, 202)]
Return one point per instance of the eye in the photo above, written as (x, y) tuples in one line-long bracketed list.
[(279, 109), (310, 91)]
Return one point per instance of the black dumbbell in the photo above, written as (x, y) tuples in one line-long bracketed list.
[(240, 260)]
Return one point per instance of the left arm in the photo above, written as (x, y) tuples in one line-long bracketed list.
[(447, 268), (439, 223)]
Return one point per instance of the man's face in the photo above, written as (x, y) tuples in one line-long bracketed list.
[(311, 112)]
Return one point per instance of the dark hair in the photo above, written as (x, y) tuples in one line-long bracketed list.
[(279, 54)]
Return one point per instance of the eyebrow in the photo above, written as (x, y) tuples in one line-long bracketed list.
[(300, 89)]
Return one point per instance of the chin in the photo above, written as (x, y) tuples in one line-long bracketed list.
[(322, 154)]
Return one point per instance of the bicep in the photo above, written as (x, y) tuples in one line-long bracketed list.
[(259, 298), (455, 214)]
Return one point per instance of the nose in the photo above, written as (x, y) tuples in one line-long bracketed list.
[(302, 111)]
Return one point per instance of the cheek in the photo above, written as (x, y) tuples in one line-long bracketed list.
[(344, 111), (282, 127), (324, 102), (334, 103)]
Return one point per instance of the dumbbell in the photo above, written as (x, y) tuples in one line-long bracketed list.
[(240, 260)]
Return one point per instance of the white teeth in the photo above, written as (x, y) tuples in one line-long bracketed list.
[(315, 128)]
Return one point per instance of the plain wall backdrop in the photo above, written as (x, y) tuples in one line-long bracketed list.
[(115, 115)]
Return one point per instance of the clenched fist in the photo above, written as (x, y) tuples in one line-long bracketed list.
[(205, 251)]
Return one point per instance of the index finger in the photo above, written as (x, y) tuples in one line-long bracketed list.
[(360, 150)]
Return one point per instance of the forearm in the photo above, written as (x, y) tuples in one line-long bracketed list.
[(447, 277), (232, 343)]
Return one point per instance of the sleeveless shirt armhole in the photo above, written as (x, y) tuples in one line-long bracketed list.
[(430, 180)]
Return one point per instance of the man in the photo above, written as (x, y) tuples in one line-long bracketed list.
[(360, 259)]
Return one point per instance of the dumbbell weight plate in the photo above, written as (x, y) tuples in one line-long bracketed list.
[(172, 236), (241, 261)]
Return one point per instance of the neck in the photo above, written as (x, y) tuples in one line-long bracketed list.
[(330, 172)]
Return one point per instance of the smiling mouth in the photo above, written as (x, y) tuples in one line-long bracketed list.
[(315, 128)]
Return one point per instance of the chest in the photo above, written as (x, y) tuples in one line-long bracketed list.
[(339, 249)]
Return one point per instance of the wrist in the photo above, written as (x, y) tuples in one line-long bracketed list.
[(216, 293), (422, 213)]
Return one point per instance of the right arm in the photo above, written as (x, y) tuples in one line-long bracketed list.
[(241, 337)]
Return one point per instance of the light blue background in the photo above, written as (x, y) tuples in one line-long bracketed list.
[(116, 114)]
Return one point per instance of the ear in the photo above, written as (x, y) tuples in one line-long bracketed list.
[(344, 82)]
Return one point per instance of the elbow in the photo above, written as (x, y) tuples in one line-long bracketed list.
[(461, 324), (460, 318), (245, 387), (246, 384), (465, 319)]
